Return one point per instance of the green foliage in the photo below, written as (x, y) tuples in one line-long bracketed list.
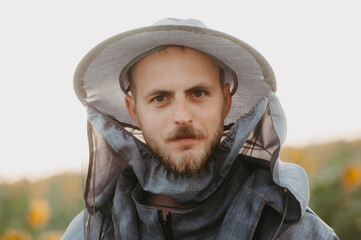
[(334, 172), (63, 193), (12, 204)]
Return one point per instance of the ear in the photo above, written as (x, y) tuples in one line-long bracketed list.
[(227, 99), (132, 111)]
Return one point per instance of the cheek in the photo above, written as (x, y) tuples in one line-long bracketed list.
[(153, 123), (212, 114)]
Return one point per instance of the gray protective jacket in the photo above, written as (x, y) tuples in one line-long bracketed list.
[(240, 194)]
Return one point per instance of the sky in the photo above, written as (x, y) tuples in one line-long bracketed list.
[(313, 47)]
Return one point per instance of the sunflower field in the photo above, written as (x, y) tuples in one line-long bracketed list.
[(43, 209)]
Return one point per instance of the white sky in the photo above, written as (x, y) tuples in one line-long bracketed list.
[(313, 46)]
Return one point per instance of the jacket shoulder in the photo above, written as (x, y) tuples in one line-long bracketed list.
[(310, 226), (75, 229)]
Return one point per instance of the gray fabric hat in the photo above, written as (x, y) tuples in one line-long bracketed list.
[(100, 80)]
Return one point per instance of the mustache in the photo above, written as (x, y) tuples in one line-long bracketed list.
[(185, 132)]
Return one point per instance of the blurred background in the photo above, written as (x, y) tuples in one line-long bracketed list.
[(313, 47)]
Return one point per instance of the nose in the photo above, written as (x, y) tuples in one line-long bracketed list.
[(182, 111)]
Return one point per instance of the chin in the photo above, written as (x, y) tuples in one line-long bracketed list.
[(188, 162)]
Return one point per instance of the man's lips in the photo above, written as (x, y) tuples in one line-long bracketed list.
[(186, 140)]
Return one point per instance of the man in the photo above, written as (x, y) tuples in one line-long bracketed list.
[(184, 132)]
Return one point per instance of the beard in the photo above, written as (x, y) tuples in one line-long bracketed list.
[(187, 161)]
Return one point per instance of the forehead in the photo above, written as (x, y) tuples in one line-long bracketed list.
[(173, 63), (168, 51)]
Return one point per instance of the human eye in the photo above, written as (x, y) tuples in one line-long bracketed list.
[(159, 99), (199, 93)]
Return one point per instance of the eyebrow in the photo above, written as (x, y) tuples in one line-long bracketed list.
[(200, 86), (155, 92)]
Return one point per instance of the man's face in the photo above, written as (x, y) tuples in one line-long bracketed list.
[(180, 106)]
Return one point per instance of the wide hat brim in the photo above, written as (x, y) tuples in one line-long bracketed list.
[(98, 76)]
